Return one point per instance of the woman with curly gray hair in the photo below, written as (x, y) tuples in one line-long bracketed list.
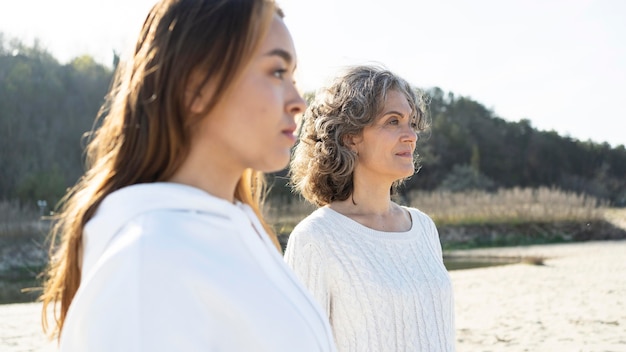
[(375, 266)]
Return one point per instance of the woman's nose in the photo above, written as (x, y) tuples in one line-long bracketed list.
[(409, 134), (295, 102)]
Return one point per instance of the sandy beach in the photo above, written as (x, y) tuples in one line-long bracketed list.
[(575, 301)]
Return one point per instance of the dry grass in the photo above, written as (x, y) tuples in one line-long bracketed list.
[(285, 215), (18, 220), (506, 206), (617, 217), (13, 211)]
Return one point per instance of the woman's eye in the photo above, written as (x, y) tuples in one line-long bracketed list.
[(393, 121), (280, 73)]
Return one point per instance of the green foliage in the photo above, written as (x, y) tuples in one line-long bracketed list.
[(48, 185), (308, 97), (466, 178), (512, 154), (45, 108)]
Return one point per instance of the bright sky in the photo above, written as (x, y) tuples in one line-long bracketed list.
[(559, 63)]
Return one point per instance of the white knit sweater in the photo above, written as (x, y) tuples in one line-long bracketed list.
[(382, 291)]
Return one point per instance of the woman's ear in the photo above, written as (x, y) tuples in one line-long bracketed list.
[(198, 100), (351, 141), (197, 105), (198, 93)]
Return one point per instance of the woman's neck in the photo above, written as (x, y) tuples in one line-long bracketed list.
[(370, 196), (211, 177), (388, 217), (370, 205), (374, 202)]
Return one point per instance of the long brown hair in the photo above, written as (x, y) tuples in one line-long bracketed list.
[(144, 126)]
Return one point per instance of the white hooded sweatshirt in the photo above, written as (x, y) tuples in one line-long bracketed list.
[(168, 267)]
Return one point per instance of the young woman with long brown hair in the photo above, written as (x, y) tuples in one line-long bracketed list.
[(161, 244)]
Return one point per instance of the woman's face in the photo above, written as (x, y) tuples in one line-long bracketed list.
[(385, 148), (253, 126)]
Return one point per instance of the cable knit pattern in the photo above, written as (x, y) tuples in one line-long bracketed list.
[(382, 291)]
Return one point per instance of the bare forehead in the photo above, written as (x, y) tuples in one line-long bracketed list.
[(278, 42), (396, 101)]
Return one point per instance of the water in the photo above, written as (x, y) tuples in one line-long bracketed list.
[(12, 290), (473, 263)]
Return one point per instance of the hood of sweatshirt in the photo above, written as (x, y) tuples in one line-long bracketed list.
[(121, 206)]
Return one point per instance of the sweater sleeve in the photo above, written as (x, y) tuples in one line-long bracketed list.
[(434, 235), (430, 231), (308, 263)]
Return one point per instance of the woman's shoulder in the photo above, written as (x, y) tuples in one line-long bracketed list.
[(423, 223), (321, 219), (179, 228), (315, 227), (418, 214), (161, 235)]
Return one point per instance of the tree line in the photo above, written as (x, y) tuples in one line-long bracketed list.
[(46, 107)]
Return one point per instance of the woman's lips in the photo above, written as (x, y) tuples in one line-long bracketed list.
[(290, 133)]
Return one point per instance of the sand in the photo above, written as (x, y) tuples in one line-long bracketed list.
[(576, 301)]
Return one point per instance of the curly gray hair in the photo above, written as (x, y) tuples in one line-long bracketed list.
[(322, 165)]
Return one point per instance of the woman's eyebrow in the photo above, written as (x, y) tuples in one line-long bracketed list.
[(282, 54), (394, 112)]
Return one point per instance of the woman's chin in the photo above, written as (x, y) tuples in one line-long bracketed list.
[(279, 162)]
